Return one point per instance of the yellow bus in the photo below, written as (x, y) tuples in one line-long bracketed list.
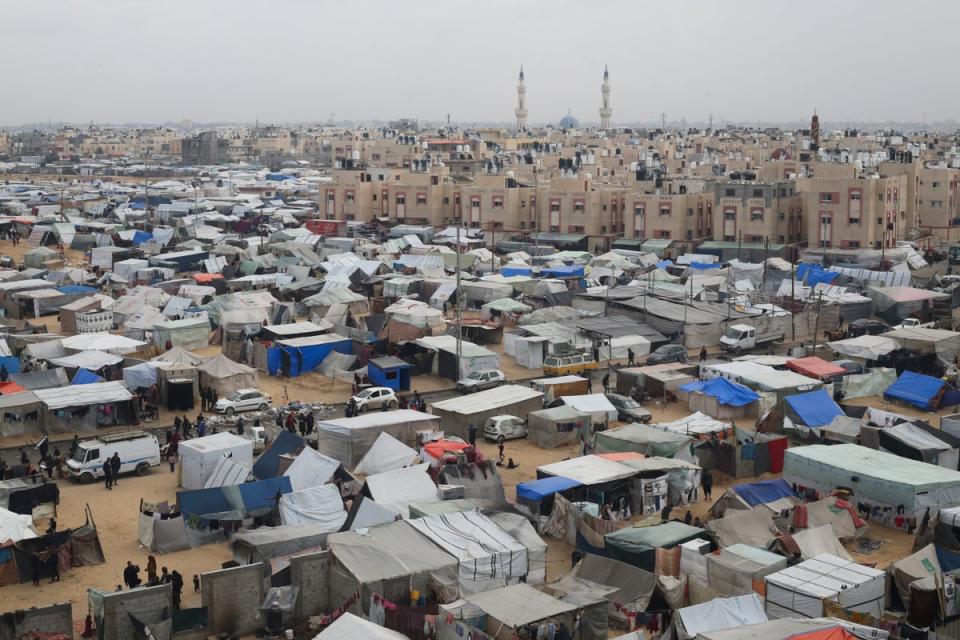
[(568, 363)]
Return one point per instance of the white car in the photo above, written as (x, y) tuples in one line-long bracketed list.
[(479, 380), (375, 398), (243, 400), (505, 426)]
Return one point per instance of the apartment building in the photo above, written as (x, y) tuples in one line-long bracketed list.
[(933, 194), (758, 212), (682, 212)]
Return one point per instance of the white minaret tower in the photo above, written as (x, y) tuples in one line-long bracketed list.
[(606, 112), (521, 110)]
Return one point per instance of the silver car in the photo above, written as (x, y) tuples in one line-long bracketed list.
[(479, 380), (506, 426)]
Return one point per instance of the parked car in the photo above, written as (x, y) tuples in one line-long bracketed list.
[(507, 426), (243, 400), (914, 323), (375, 398), (668, 353), (479, 380), (866, 326), (628, 409), (850, 366), (564, 364), (138, 451)]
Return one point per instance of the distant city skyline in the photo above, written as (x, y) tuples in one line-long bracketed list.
[(121, 61)]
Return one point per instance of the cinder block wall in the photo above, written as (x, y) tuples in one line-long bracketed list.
[(233, 598), (311, 573), (149, 605), (53, 618)]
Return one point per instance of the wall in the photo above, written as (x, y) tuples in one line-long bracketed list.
[(149, 605), (311, 573), (53, 618), (233, 598)]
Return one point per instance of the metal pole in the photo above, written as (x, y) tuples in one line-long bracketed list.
[(793, 297), (459, 301), (739, 242), (766, 245), (816, 324)]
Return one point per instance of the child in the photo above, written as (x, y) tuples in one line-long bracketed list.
[(196, 583)]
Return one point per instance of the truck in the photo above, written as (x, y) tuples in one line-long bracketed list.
[(139, 451), (914, 323), (743, 337)]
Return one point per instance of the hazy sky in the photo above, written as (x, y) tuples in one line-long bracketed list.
[(303, 60)]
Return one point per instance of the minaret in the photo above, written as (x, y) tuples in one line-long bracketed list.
[(521, 110), (606, 112), (815, 130)]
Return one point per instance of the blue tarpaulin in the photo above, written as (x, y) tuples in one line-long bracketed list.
[(12, 363), (814, 408), (704, 265), (537, 490), (571, 271), (277, 177), (263, 493), (268, 464), (949, 560), (305, 358), (763, 492), (916, 389), (70, 289), (726, 392), (814, 274), (663, 264), (85, 376), (507, 271), (139, 237), (201, 502)]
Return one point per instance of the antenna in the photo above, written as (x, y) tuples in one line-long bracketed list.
[(663, 121)]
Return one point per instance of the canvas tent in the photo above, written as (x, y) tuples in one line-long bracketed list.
[(799, 591), (719, 614), (599, 408), (519, 606), (386, 454), (638, 545), (226, 376), (733, 570), (351, 627), (396, 489), (349, 439), (644, 439), (161, 529), (754, 527), (813, 409), (865, 347), (319, 505), (556, 427), (775, 495), (518, 527), (189, 333), (629, 589)]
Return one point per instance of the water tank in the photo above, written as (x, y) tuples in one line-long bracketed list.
[(459, 148), (633, 166), (466, 148), (510, 174), (356, 155)]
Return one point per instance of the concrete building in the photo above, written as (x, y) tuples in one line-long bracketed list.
[(207, 147), (606, 111)]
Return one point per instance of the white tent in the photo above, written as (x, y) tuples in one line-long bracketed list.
[(597, 405), (694, 424), (311, 469), (102, 342), (386, 454), (866, 347), (91, 360), (317, 505), (718, 614), (351, 627), (227, 473), (395, 490), (15, 527), (225, 375), (520, 528), (199, 457), (799, 591)]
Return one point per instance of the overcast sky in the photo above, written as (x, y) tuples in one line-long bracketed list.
[(114, 61)]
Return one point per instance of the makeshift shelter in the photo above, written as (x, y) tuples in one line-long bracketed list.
[(520, 529), (73, 548), (199, 457), (140, 376), (644, 439), (160, 529), (638, 545), (537, 495), (596, 405), (754, 528), (512, 608), (557, 427), (105, 342), (488, 556), (814, 409), (916, 443), (82, 376), (865, 347), (386, 454), (273, 546), (628, 589), (878, 478), (872, 383), (296, 356), (456, 414), (351, 627), (227, 473), (189, 333), (800, 590), (20, 414), (810, 543), (319, 505), (268, 464), (721, 399), (718, 614), (396, 489), (85, 407), (696, 424), (775, 495), (312, 469), (226, 376), (734, 570), (349, 439), (921, 391), (814, 367)]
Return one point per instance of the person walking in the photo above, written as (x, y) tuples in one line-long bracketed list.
[(706, 482), (74, 445), (629, 357), (115, 467), (173, 449), (152, 578), (108, 474), (302, 424), (177, 424), (500, 446), (131, 576), (703, 353), (605, 382), (472, 434), (201, 426), (176, 580), (589, 384)]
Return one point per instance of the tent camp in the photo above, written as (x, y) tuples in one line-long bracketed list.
[(489, 557), (456, 414), (921, 391), (556, 427), (799, 591), (350, 439), (719, 614), (225, 376)]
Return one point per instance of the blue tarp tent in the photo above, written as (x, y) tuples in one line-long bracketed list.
[(139, 237), (814, 408), (262, 495), (704, 265), (201, 502), (71, 289), (297, 356), (726, 392), (573, 271), (814, 274), (231, 501), (916, 389), (12, 363), (515, 271), (84, 376), (268, 464), (537, 490), (763, 492)]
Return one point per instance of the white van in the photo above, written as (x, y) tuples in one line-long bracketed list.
[(138, 452)]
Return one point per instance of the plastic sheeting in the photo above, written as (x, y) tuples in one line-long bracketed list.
[(142, 375), (395, 490), (386, 454), (537, 490), (814, 408), (764, 491), (871, 383), (719, 614), (754, 528), (917, 389), (726, 392), (866, 347), (311, 469), (320, 505), (351, 627)]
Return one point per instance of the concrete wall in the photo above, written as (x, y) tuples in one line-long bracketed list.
[(311, 573), (53, 618), (150, 605), (233, 598)]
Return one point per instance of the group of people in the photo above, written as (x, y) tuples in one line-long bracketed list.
[(131, 578), (111, 471), (302, 421), (208, 398), (185, 427)]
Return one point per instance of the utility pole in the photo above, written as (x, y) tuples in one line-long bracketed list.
[(459, 301), (739, 242), (793, 297), (816, 324), (766, 245)]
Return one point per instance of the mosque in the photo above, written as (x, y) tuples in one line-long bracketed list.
[(568, 121)]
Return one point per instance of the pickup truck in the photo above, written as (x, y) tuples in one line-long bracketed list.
[(913, 323), (743, 337)]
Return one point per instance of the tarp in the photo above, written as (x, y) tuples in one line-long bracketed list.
[(917, 389), (726, 392), (537, 490), (83, 396), (351, 627), (819, 540), (720, 613), (596, 405), (15, 527), (83, 376), (588, 470), (754, 528), (519, 605), (93, 360), (316, 505), (227, 473), (764, 491), (396, 489), (814, 408), (643, 439), (140, 376), (871, 383), (311, 469), (814, 367), (867, 347), (268, 464), (107, 342), (386, 454)]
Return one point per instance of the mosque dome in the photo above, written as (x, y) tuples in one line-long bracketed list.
[(569, 122)]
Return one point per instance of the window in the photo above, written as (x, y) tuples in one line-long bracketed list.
[(446, 199), (498, 202), (729, 238), (690, 211), (498, 225), (781, 216), (575, 228), (663, 234), (578, 206), (375, 157), (638, 209), (826, 197), (555, 206), (350, 196), (421, 199), (664, 209), (330, 196), (730, 193), (936, 204), (374, 197), (729, 215), (756, 215), (401, 198), (780, 239), (936, 185), (758, 193)]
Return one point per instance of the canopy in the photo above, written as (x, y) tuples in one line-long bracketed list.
[(720, 613), (726, 392), (764, 491), (321, 505), (588, 470), (814, 408), (814, 367), (83, 395), (386, 454), (92, 360), (867, 347), (917, 389), (537, 490)]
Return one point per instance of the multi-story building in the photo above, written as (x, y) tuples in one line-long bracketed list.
[(681, 211), (207, 147), (757, 212)]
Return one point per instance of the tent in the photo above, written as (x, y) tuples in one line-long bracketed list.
[(225, 376), (865, 347), (180, 356), (814, 367), (776, 495), (726, 392), (600, 409), (160, 529), (390, 560), (199, 457), (15, 527), (733, 570), (912, 441), (351, 627), (268, 464), (297, 356), (719, 614), (644, 439), (696, 424), (227, 473), (556, 427), (537, 495), (800, 590), (923, 392), (456, 414), (881, 479), (350, 439), (629, 589), (489, 557), (189, 333), (320, 505), (872, 383), (83, 376), (386, 454), (523, 532), (638, 545), (273, 546), (106, 342), (396, 489), (520, 605), (311, 469), (813, 408), (754, 528), (140, 376), (92, 360), (589, 470)]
